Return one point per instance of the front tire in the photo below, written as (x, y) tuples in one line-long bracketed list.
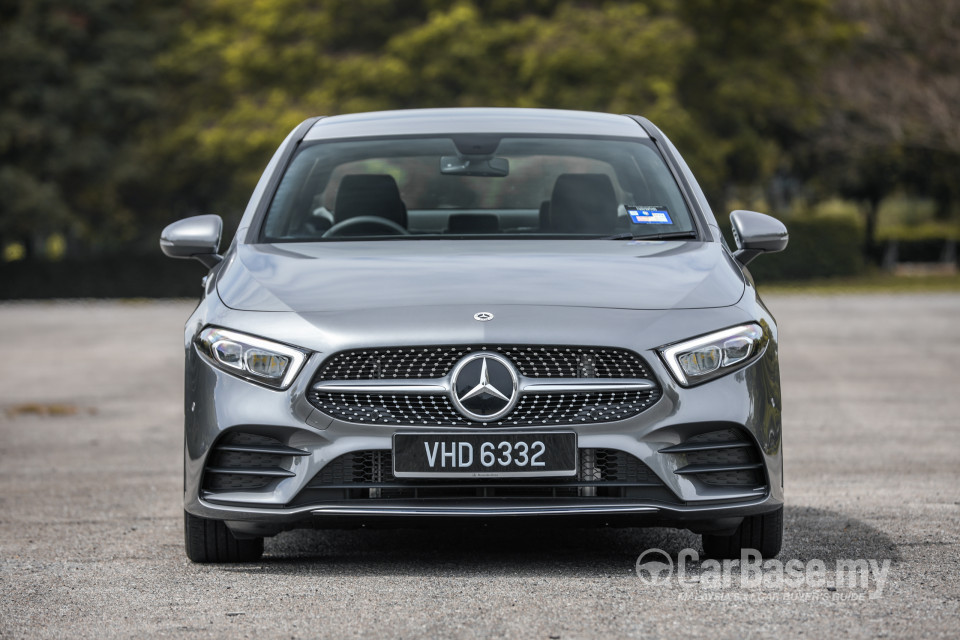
[(764, 533), (211, 541)]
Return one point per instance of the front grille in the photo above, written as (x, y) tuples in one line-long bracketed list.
[(247, 462), (368, 408), (435, 362), (579, 408), (367, 475), (376, 466), (725, 457), (359, 467), (611, 465), (425, 363)]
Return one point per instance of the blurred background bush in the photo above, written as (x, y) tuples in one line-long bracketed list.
[(118, 117)]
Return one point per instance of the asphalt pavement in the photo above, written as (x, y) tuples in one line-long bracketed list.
[(91, 540)]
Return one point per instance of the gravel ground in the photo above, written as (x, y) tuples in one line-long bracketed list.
[(91, 524)]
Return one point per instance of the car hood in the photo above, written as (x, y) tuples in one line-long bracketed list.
[(353, 276)]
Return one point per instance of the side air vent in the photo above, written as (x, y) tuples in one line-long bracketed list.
[(247, 462), (725, 457)]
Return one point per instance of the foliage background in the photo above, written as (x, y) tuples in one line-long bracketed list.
[(118, 117)]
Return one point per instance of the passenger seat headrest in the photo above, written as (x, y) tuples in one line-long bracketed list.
[(583, 203)]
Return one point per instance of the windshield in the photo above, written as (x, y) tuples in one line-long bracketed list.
[(476, 186)]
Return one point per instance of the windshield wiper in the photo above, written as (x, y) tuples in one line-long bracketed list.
[(654, 236)]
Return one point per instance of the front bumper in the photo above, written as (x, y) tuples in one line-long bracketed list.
[(746, 401), (698, 518)]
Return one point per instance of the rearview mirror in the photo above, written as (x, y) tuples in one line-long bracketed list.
[(197, 237), (756, 233), (486, 167)]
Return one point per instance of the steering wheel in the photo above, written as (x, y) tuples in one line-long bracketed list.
[(389, 226)]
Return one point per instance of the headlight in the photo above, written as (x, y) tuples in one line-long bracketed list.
[(269, 363), (713, 355)]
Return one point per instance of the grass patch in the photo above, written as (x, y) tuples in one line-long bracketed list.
[(878, 282)]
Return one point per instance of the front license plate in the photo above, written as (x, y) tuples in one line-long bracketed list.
[(484, 455)]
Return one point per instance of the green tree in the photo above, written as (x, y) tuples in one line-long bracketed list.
[(246, 72), (891, 99), (751, 80), (730, 80), (77, 79)]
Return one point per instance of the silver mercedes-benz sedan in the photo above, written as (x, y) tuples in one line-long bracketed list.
[(485, 315)]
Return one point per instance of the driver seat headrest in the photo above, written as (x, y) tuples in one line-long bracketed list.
[(369, 195)]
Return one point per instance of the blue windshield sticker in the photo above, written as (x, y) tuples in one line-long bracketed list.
[(649, 215)]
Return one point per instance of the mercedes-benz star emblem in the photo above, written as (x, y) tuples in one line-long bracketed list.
[(484, 386), (483, 316)]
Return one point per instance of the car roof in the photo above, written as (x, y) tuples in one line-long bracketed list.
[(474, 120)]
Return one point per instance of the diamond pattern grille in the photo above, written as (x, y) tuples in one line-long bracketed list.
[(433, 362)]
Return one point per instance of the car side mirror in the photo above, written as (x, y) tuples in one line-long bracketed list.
[(197, 237), (756, 233)]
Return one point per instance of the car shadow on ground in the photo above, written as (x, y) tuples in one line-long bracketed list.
[(536, 551)]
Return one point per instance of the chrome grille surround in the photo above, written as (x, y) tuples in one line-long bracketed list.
[(412, 386)]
